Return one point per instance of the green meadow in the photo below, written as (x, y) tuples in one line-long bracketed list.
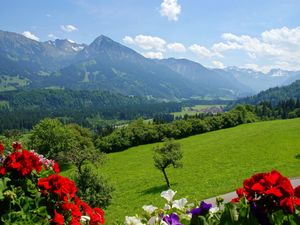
[(213, 163)]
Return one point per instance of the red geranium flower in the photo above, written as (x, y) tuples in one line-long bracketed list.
[(21, 163), (270, 191), (63, 187), (1, 149), (57, 219), (55, 167), (17, 146)]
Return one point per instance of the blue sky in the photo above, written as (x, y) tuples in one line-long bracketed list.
[(258, 34)]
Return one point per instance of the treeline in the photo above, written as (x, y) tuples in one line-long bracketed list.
[(139, 132), (273, 95), (23, 109), (284, 109)]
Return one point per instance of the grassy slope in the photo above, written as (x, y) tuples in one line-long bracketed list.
[(213, 163)]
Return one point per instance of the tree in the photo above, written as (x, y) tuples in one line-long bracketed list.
[(83, 148), (51, 138), (168, 155)]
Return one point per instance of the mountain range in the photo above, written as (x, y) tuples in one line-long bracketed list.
[(108, 65)]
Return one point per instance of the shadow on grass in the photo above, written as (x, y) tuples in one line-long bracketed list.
[(297, 156), (157, 189)]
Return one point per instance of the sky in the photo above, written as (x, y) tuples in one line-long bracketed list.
[(256, 34)]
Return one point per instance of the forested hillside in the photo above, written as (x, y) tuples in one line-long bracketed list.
[(274, 95)]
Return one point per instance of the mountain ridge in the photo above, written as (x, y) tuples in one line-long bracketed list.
[(106, 64)]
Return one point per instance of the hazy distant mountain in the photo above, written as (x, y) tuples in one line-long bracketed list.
[(259, 81), (210, 81), (66, 46)]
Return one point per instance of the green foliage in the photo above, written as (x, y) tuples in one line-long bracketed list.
[(23, 109), (19, 206), (52, 138), (169, 154), (93, 188), (138, 133), (274, 95)]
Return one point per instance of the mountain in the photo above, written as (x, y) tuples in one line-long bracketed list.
[(25, 62), (67, 46), (107, 65), (208, 81), (274, 95), (259, 81)]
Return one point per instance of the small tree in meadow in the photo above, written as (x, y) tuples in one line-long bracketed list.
[(168, 155)]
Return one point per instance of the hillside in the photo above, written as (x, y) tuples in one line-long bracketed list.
[(213, 163), (274, 95)]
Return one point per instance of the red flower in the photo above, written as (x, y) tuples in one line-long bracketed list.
[(21, 163), (63, 187), (297, 192), (270, 191), (235, 200), (97, 217), (17, 146), (240, 192), (57, 219), (55, 167), (288, 205), (1, 149)]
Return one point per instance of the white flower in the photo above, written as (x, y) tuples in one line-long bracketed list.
[(186, 216), (85, 218), (190, 205), (167, 207), (214, 209), (132, 220), (154, 220), (168, 195), (149, 209), (179, 204)]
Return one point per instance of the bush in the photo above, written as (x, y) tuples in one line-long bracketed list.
[(93, 189)]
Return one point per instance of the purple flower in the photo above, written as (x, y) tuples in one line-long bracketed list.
[(173, 219), (260, 214), (201, 210)]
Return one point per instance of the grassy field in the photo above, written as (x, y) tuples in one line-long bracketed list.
[(213, 163), (194, 110)]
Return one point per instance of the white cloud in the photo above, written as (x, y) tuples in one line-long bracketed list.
[(153, 55), (277, 45), (52, 36), (30, 35), (176, 47), (146, 42), (201, 51), (68, 28), (170, 9), (128, 40), (218, 64), (222, 47)]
